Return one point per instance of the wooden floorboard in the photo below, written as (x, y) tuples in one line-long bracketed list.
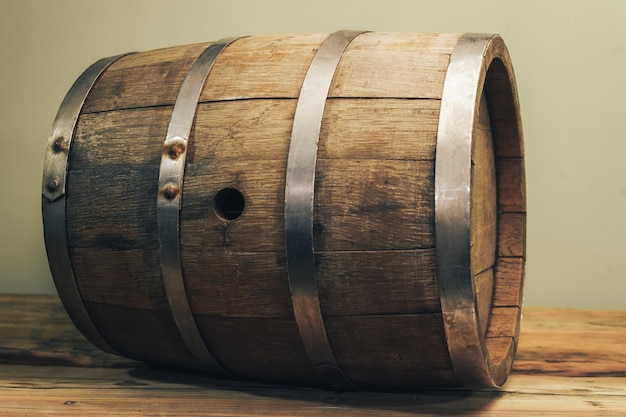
[(569, 363)]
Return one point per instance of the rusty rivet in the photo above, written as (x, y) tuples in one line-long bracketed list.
[(170, 191), (175, 150), (58, 145), (53, 184)]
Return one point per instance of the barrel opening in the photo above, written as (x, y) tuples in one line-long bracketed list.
[(502, 329), (228, 204)]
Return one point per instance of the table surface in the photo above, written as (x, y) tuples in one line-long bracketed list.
[(569, 363)]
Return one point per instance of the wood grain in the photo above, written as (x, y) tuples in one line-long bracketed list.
[(379, 351), (483, 214), (351, 283), (262, 67), (374, 205), (569, 363), (131, 81), (512, 193), (483, 208), (507, 291), (378, 64), (505, 123), (511, 239), (379, 128)]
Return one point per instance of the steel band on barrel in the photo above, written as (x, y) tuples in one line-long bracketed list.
[(462, 92), (54, 202), (171, 176), (299, 196)]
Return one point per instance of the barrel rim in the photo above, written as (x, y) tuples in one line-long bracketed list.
[(54, 202), (473, 361)]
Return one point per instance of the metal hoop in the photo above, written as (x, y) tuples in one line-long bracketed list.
[(299, 194), (462, 91), (53, 203), (171, 176)]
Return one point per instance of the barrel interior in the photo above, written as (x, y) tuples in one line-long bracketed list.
[(499, 275)]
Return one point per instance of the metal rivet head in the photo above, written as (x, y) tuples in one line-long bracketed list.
[(175, 150), (59, 145), (53, 184), (171, 191), (174, 147)]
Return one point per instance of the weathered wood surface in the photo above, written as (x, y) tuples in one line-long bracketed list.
[(569, 363)]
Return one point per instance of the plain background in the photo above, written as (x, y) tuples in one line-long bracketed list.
[(569, 59)]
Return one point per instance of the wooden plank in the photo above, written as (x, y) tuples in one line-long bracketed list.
[(483, 283), (122, 392), (378, 128), (503, 322), (145, 79), (483, 214), (374, 205), (508, 286), (391, 350), (511, 235), (237, 284), (257, 129), (261, 348), (378, 282), (483, 207), (569, 363), (505, 124), (261, 67), (132, 137), (574, 343), (380, 64), (511, 185), (113, 207)]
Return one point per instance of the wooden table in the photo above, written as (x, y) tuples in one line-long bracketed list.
[(570, 363)]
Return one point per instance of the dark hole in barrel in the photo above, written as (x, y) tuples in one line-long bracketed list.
[(228, 204)]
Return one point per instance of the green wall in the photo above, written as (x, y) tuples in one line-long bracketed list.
[(570, 61)]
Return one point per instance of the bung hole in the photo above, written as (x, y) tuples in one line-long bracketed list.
[(228, 204)]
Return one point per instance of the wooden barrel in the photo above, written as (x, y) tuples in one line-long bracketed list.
[(345, 210)]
